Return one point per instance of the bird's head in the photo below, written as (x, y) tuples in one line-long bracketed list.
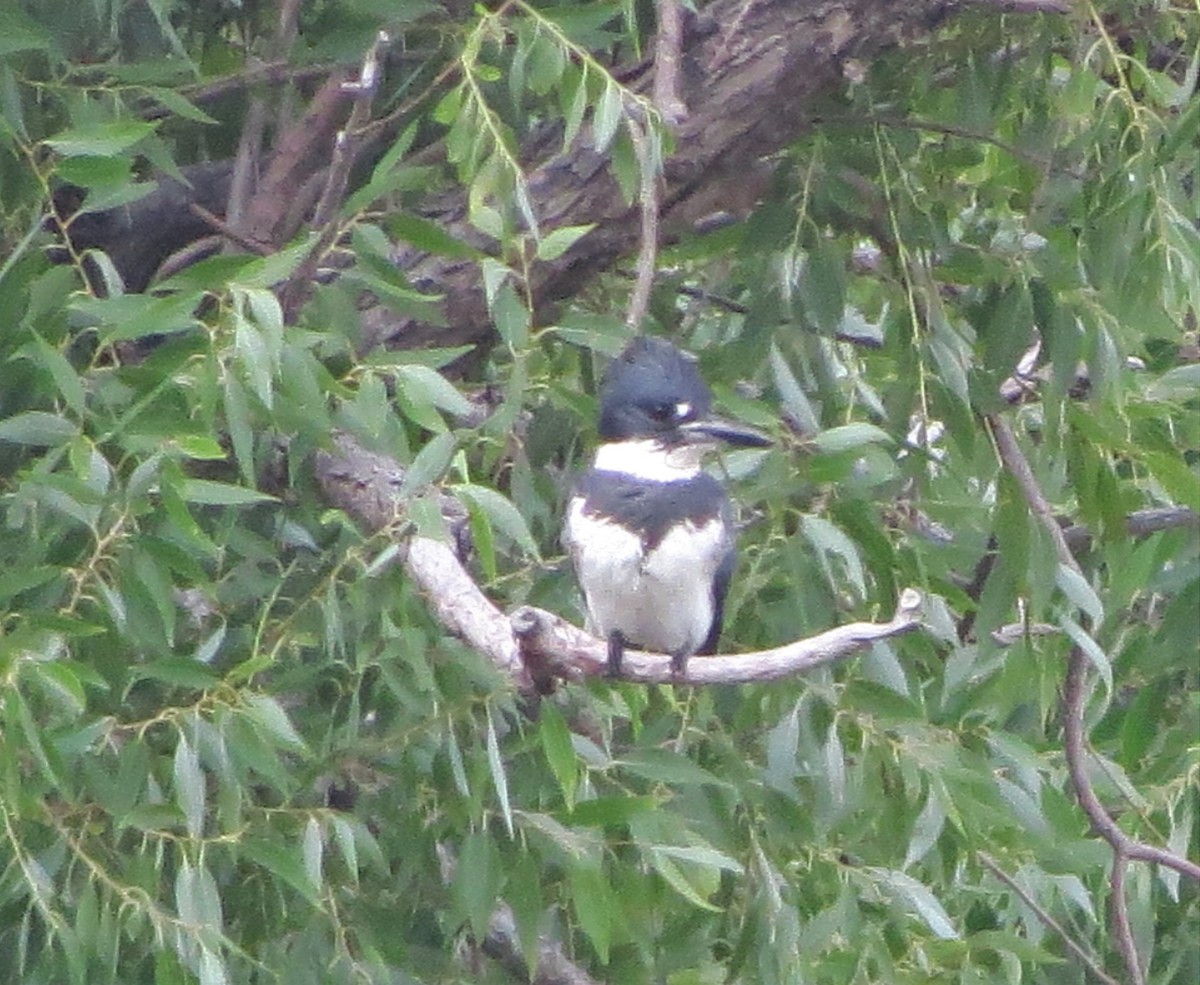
[(654, 391)]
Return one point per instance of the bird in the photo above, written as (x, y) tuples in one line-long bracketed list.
[(650, 534)]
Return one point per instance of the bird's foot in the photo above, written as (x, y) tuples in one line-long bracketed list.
[(678, 664), (616, 653)]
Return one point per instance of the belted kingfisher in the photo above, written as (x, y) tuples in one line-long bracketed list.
[(651, 534)]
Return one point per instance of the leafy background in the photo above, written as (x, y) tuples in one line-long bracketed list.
[(236, 746)]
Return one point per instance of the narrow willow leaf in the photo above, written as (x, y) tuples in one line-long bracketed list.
[(1080, 592), (38, 428), (607, 116), (695, 892), (906, 889), (267, 712), (314, 853), (502, 514), (926, 830), (477, 880), (430, 463), (189, 786), (100, 139), (596, 908), (559, 751), (211, 493), (499, 776)]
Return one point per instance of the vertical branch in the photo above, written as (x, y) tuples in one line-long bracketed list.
[(1074, 698), (346, 145), (668, 46), (639, 300), (250, 143)]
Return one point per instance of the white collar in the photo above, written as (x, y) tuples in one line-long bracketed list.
[(649, 460)]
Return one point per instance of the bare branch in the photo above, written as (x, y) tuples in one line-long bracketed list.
[(1120, 917), (224, 228), (1026, 6), (668, 46), (346, 146), (553, 966), (639, 300), (553, 647), (1093, 965), (1074, 699)]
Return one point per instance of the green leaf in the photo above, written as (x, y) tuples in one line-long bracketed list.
[(429, 236), (314, 853), (208, 492), (499, 776), (189, 787), (502, 514), (177, 671), (283, 861), (906, 889), (849, 437), (429, 465), (595, 907), (171, 100), (1080, 592), (607, 116), (478, 877), (39, 428), (425, 385), (511, 316), (556, 242), (664, 766), (270, 719), (100, 139), (559, 751)]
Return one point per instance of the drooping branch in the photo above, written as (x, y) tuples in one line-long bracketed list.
[(1074, 700)]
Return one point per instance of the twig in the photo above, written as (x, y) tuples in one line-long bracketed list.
[(345, 151), (639, 300), (668, 45), (1075, 948), (1026, 6), (221, 226), (1074, 698), (1120, 916)]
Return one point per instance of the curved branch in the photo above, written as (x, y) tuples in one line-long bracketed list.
[(1124, 847), (553, 647)]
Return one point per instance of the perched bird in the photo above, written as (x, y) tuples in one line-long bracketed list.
[(651, 534)]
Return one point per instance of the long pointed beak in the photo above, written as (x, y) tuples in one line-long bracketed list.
[(715, 429)]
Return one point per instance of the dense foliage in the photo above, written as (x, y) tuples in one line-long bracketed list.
[(235, 746)]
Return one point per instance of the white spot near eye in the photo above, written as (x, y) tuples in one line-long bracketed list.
[(683, 411)]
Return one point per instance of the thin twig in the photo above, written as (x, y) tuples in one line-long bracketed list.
[(1074, 698), (1120, 916), (221, 226), (639, 300), (1047, 920), (345, 151)]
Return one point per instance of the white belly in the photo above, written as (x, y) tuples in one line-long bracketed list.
[(659, 600)]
